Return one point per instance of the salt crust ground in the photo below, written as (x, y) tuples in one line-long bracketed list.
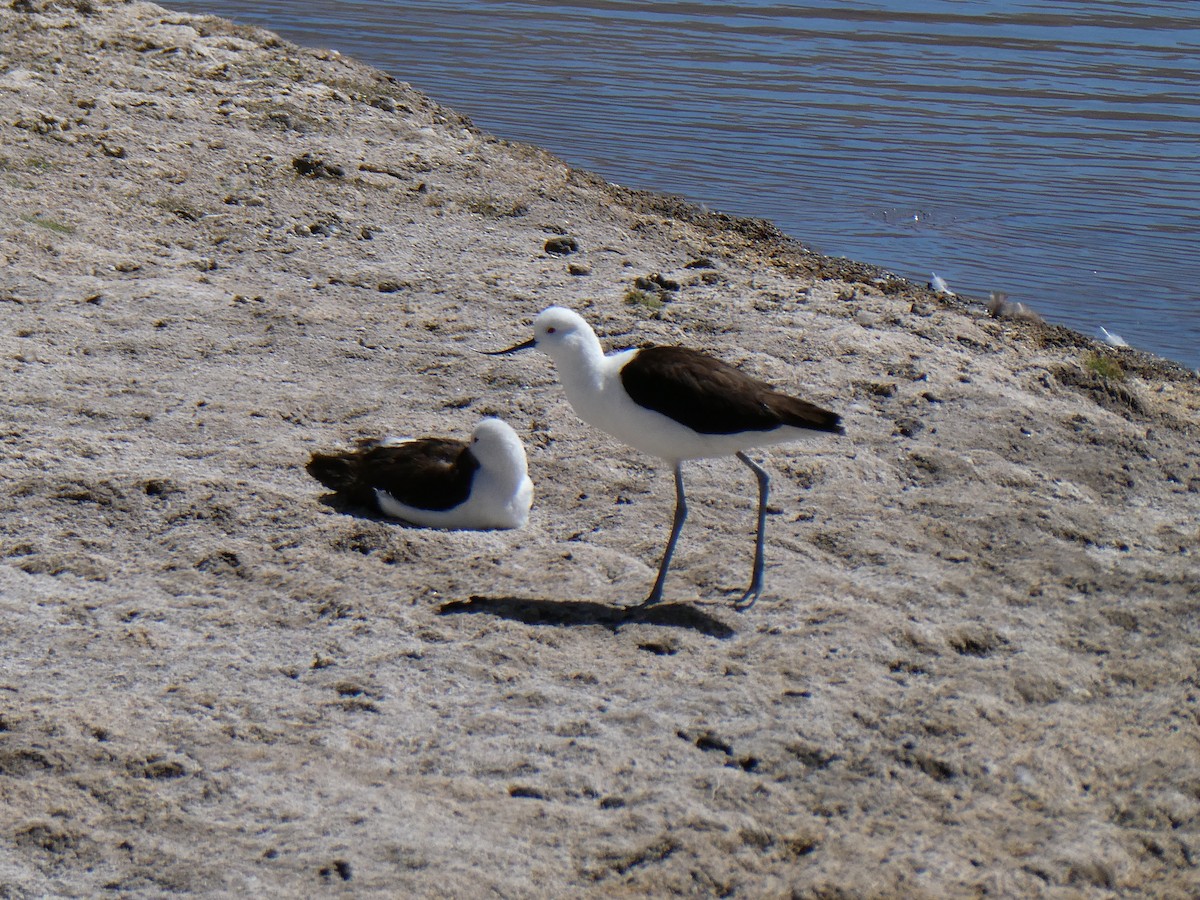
[(974, 671)]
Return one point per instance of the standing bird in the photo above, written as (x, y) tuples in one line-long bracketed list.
[(436, 482), (676, 404)]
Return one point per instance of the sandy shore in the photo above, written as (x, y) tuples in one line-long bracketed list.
[(974, 670)]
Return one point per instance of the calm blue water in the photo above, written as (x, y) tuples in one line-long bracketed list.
[(1047, 149)]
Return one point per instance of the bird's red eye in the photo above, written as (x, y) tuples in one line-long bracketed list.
[(550, 330)]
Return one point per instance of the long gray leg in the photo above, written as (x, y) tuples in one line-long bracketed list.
[(756, 581), (676, 527)]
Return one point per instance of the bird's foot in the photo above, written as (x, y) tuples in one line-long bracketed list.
[(656, 592), (748, 599)]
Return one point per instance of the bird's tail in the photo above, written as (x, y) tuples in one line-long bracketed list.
[(334, 470), (802, 414)]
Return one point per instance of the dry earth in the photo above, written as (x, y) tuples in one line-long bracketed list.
[(975, 670)]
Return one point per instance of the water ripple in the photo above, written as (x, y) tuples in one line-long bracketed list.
[(1046, 149)]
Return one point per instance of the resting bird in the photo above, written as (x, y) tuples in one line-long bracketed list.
[(436, 482)]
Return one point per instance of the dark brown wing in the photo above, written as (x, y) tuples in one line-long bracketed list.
[(712, 397), (430, 473)]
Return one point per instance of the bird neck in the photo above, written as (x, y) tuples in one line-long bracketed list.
[(581, 364), (509, 468)]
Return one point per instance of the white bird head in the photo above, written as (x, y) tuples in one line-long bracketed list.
[(495, 444), (558, 328), (559, 332)]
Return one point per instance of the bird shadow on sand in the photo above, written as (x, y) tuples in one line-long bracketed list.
[(568, 613), (340, 504)]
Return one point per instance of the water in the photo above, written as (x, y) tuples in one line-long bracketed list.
[(1047, 149)]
